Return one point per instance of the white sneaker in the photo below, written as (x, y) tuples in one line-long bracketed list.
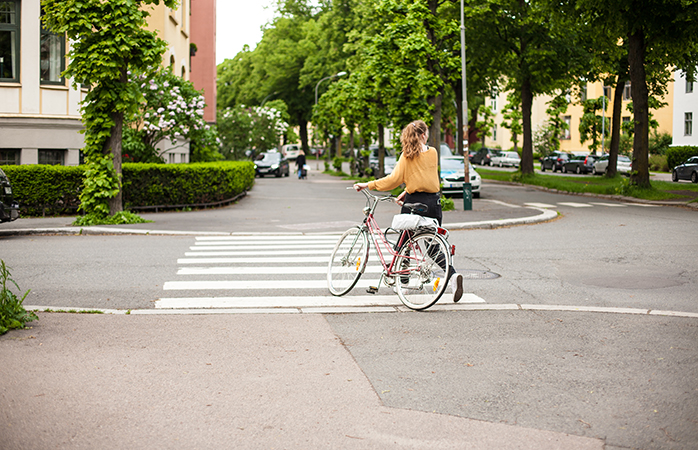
[(458, 293)]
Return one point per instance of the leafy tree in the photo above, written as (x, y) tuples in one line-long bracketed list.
[(172, 109), (512, 119), (244, 128), (533, 47), (485, 123), (591, 123), (108, 38), (661, 35)]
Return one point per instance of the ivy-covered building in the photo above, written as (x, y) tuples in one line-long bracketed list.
[(40, 119)]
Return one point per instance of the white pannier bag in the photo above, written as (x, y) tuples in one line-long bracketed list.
[(412, 222)]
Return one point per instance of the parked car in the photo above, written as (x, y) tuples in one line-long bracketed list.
[(555, 161), (271, 163), (579, 164), (623, 165), (484, 156), (9, 208), (686, 171), (506, 159), (388, 161), (291, 151), (453, 176)]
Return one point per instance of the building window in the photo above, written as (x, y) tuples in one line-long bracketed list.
[(493, 100), (494, 132), (53, 157), (9, 156), (689, 85), (567, 134), (688, 124), (626, 125), (627, 94), (607, 91), (52, 57), (9, 40), (583, 93)]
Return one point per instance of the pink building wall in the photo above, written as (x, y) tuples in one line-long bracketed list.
[(203, 64)]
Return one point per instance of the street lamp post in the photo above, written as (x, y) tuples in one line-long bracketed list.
[(467, 187), (338, 74)]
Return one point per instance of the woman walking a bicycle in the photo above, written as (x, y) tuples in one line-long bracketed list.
[(418, 169)]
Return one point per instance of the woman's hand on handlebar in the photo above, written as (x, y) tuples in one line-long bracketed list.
[(360, 186), (400, 199)]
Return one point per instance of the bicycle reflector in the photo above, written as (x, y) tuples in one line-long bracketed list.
[(453, 249)]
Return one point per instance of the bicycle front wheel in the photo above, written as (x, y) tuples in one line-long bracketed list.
[(421, 269), (348, 261)]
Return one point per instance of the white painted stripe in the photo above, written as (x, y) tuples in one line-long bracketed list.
[(275, 237), (258, 247), (267, 260), (255, 284), (263, 270), (333, 240), (610, 205), (261, 253), (540, 205), (295, 302), (576, 205), (643, 205)]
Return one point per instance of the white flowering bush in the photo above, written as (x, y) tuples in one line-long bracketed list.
[(256, 128), (172, 109)]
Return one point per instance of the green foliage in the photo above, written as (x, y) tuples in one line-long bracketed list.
[(245, 128), (447, 204), (659, 143), (592, 124), (677, 155), (46, 190), (54, 190), (107, 40), (171, 109), (512, 118), (12, 312), (185, 184), (337, 163), (120, 218), (658, 163)]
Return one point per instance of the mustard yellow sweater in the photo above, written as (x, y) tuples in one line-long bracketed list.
[(420, 174)]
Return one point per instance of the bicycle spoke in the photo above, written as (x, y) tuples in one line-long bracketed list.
[(348, 261)]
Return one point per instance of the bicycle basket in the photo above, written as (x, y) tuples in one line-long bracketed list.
[(412, 222)]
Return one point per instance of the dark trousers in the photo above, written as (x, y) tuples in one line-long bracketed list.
[(431, 200)]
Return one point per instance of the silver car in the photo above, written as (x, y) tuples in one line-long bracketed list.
[(623, 165)]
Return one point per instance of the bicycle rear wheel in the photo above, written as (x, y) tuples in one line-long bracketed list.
[(348, 261), (422, 265)]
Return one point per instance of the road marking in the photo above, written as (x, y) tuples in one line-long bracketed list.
[(263, 270), (259, 247), (610, 205), (576, 205), (295, 302), (644, 205), (540, 205), (270, 238)]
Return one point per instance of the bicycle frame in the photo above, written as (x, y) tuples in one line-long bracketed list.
[(369, 224)]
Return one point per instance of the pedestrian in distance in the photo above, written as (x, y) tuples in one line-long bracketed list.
[(418, 170), (300, 163)]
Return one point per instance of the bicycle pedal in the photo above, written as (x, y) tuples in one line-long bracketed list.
[(372, 289)]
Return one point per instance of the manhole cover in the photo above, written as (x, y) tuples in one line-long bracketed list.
[(478, 274)]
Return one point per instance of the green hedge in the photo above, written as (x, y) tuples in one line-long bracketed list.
[(54, 190), (677, 155)]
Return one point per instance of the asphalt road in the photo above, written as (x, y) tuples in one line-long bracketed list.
[(587, 339)]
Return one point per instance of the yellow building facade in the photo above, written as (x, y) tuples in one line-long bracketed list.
[(571, 142), (173, 26)]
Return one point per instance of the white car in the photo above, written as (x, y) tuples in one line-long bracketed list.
[(291, 151), (508, 159), (623, 165), (453, 177)]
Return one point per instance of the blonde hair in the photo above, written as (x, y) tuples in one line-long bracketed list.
[(410, 138)]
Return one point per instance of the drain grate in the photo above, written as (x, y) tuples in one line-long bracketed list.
[(478, 274)]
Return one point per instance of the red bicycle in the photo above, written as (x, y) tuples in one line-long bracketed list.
[(421, 258)]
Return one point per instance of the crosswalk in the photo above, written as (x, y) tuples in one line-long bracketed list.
[(273, 273), (589, 205)]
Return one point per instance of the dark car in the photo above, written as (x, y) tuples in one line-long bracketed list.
[(555, 161), (271, 163), (686, 171), (484, 156), (579, 164), (389, 161), (9, 208)]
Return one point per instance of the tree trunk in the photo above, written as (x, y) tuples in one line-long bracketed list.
[(354, 155), (113, 145), (527, 148), (640, 175), (435, 128), (615, 128), (303, 131), (381, 151)]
